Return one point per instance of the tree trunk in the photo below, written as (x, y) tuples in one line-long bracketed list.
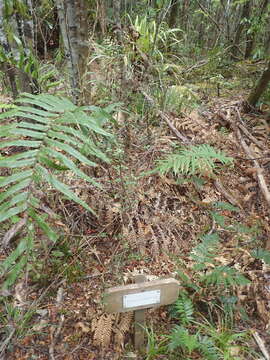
[(175, 4), (267, 44), (117, 15), (251, 37), (7, 68), (245, 15), (184, 14), (260, 87), (101, 16), (68, 26)]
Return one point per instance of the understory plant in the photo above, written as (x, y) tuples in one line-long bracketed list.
[(195, 160), (46, 141), (204, 314)]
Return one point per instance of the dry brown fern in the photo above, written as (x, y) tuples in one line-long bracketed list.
[(122, 328), (102, 329)]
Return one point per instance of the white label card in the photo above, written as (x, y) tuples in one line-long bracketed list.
[(141, 299)]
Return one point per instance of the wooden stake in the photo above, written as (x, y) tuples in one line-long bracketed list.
[(139, 316)]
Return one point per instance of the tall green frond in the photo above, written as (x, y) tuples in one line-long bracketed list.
[(184, 309), (204, 253), (46, 135)]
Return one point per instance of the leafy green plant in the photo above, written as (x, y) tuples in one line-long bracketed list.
[(204, 255), (180, 98), (200, 159), (150, 32), (47, 137), (262, 254), (180, 337), (184, 309)]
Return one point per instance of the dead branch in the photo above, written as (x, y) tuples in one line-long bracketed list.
[(6, 342), (219, 186), (209, 16), (246, 132), (261, 179), (12, 232), (59, 299), (261, 345), (165, 117)]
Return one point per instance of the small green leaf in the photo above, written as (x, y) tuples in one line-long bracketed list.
[(13, 211), (27, 143), (64, 189), (44, 226), (15, 177)]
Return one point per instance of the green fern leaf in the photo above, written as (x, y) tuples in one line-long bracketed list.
[(199, 159), (184, 308), (224, 276), (49, 139), (208, 349), (204, 253), (44, 226), (262, 254), (180, 338)]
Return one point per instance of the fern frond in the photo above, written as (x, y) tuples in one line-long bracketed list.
[(261, 254), (208, 349), (181, 338), (204, 253), (199, 159), (184, 308), (48, 139), (224, 276)]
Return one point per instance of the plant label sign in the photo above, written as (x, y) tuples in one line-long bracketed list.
[(140, 296), (141, 299)]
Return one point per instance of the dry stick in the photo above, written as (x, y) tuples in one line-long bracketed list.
[(165, 117), (196, 66), (251, 137), (59, 299), (245, 131), (261, 345), (261, 179), (226, 194), (6, 342), (12, 232), (209, 15)]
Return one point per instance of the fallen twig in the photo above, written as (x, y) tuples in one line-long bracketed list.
[(165, 117), (219, 186), (261, 179), (12, 232), (246, 132), (55, 336), (261, 345), (59, 299), (6, 342)]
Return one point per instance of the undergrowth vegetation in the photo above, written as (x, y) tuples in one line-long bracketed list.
[(153, 167)]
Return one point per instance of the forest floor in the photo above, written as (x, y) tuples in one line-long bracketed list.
[(148, 223)]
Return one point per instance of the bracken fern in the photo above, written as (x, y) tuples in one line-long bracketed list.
[(200, 159)]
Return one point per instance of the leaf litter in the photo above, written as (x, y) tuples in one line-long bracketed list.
[(148, 224)]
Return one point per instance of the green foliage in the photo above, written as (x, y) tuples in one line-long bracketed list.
[(204, 256), (180, 98), (224, 276), (184, 309), (204, 253), (180, 337), (262, 254), (200, 159), (51, 136), (153, 37)]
